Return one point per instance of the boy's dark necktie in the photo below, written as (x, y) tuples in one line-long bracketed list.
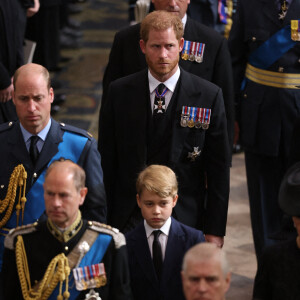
[(157, 253), (33, 150)]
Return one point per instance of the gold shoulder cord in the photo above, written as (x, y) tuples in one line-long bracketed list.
[(17, 178), (58, 271)]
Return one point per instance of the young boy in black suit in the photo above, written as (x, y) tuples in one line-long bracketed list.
[(157, 245)]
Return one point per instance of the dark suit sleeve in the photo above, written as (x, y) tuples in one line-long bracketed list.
[(107, 148), (94, 207), (217, 160), (113, 69), (223, 77)]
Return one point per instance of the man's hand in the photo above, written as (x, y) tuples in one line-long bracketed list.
[(6, 94), (33, 10), (218, 240)]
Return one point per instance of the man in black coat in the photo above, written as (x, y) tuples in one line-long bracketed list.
[(95, 253), (33, 97), (127, 58), (131, 136)]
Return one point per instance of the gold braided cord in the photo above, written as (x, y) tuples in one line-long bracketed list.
[(17, 179), (229, 5), (57, 271)]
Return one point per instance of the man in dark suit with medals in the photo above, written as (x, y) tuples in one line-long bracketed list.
[(145, 121), (207, 56), (266, 69), (65, 256)]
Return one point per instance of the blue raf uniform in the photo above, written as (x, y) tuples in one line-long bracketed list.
[(62, 140)]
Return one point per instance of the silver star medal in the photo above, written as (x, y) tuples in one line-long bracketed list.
[(92, 295), (193, 155)]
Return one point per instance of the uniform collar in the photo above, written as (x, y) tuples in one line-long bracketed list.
[(67, 234)]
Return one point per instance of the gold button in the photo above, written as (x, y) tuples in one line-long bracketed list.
[(63, 124), (253, 39), (67, 248), (280, 69), (245, 95), (34, 175), (2, 186), (90, 223), (10, 123)]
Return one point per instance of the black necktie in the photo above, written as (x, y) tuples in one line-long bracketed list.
[(33, 150), (157, 253), (159, 100)]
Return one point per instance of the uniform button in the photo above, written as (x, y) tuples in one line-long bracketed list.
[(280, 69), (245, 95), (10, 124), (2, 186), (66, 248), (253, 39), (34, 175), (299, 60)]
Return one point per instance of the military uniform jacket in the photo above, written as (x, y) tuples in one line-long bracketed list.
[(267, 114), (123, 146), (41, 247), (127, 58), (13, 152)]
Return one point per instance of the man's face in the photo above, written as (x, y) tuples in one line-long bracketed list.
[(33, 99), (62, 199), (155, 210), (205, 280), (162, 53), (178, 7)]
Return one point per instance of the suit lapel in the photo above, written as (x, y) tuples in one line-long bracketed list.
[(18, 148), (174, 252), (50, 147), (142, 253), (187, 96)]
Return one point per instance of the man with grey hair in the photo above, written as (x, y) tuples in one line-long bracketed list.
[(205, 273)]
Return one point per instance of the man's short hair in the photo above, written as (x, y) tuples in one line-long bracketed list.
[(158, 179), (203, 252), (76, 170), (38, 69), (161, 20)]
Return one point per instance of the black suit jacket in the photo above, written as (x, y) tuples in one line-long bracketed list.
[(13, 152), (143, 279), (127, 58), (123, 146)]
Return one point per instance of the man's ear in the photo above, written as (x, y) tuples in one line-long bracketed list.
[(143, 46), (83, 192), (175, 198), (181, 43)]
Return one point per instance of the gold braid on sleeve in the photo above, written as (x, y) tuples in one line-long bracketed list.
[(57, 271), (17, 179)]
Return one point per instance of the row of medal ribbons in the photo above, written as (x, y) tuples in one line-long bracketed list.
[(295, 30), (197, 117), (89, 277), (193, 51)]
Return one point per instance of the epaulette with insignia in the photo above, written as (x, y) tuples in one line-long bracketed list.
[(119, 238), (6, 126), (21, 230), (76, 130)]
